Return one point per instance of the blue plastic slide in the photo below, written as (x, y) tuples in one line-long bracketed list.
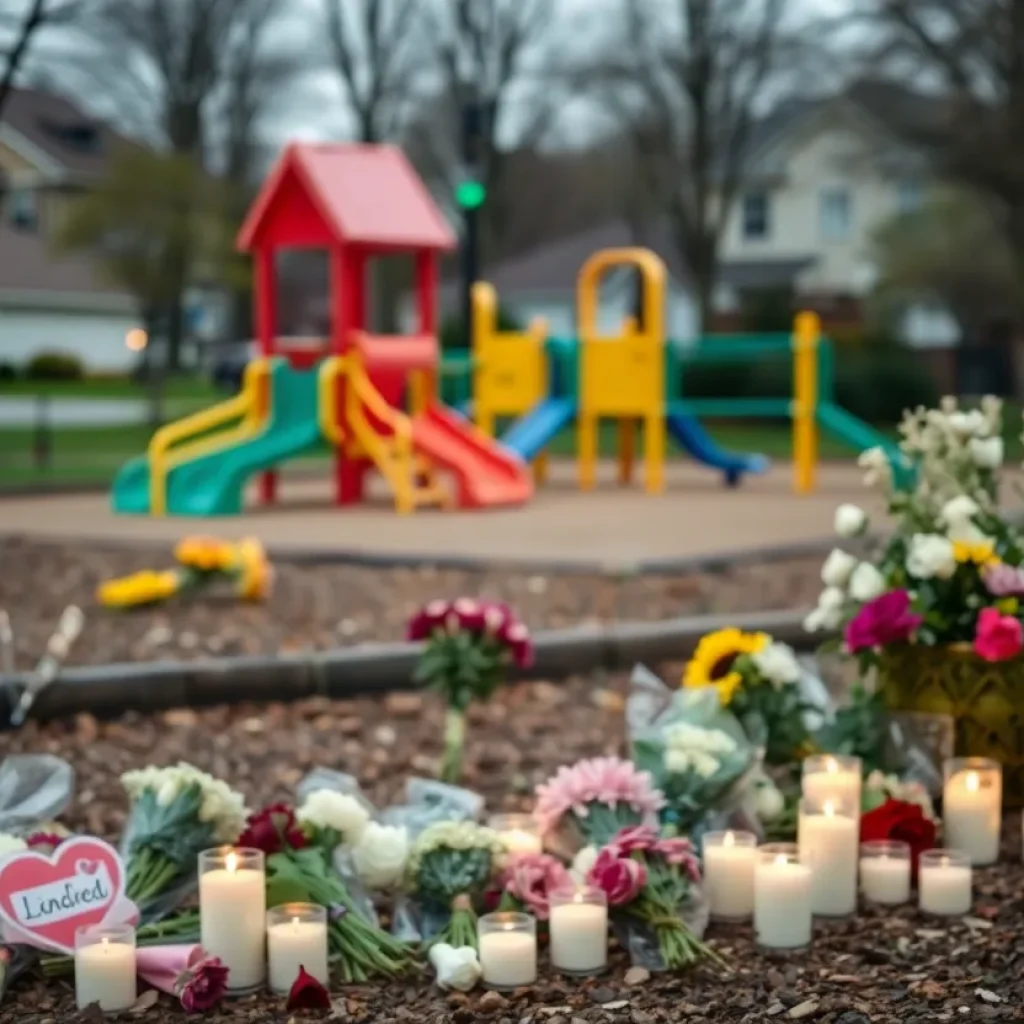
[(687, 432), (529, 436)]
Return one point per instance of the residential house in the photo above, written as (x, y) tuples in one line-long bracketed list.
[(49, 149)]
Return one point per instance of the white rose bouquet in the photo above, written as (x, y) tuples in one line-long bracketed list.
[(450, 868), (176, 813)]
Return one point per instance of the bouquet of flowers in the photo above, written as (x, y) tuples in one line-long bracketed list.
[(652, 882), (469, 646), (526, 881), (176, 813), (758, 680), (450, 869), (950, 573), (698, 756), (299, 847), (596, 798)]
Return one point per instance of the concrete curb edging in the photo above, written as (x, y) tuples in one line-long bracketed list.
[(110, 690)]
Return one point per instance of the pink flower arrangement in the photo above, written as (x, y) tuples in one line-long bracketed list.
[(1002, 580), (530, 878), (489, 619), (999, 637), (602, 794), (885, 620)]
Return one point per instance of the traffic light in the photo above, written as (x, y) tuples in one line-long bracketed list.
[(470, 194)]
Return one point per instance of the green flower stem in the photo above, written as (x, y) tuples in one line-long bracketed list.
[(454, 742), (150, 873), (459, 931)]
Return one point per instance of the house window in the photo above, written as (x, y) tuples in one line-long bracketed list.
[(756, 215), (909, 196), (22, 209), (836, 214)]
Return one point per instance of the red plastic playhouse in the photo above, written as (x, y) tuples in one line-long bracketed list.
[(358, 202)]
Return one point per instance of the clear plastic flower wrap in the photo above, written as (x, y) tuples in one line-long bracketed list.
[(34, 788)]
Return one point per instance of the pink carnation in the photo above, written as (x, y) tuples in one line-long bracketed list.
[(531, 878), (601, 780), (621, 879), (680, 853), (635, 838), (1003, 580), (472, 616)]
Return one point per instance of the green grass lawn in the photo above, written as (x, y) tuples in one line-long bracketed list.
[(186, 387)]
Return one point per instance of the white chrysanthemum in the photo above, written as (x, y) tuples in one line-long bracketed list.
[(850, 520), (959, 509), (876, 462), (837, 568), (866, 583), (777, 663), (380, 856), (987, 452), (684, 736), (829, 612), (930, 556), (967, 424), (454, 835), (678, 761), (11, 844), (326, 808)]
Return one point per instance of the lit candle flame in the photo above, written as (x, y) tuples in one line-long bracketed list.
[(831, 765), (231, 862), (295, 922), (728, 839), (830, 808), (781, 859), (943, 862), (106, 946), (972, 782)]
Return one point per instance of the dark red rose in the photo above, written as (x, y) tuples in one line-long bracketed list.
[(273, 830), (308, 994), (202, 985), (897, 819)]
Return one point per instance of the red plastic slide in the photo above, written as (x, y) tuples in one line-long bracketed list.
[(487, 474)]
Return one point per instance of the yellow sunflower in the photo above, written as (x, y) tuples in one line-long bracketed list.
[(257, 574), (146, 587), (711, 664), (979, 553)]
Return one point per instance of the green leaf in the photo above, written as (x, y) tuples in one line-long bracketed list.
[(287, 890)]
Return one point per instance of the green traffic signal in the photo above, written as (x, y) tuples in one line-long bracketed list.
[(470, 195)]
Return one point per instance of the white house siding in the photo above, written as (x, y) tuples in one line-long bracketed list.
[(97, 338)]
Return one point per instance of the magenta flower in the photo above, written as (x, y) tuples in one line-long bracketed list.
[(885, 620), (430, 617), (609, 781), (635, 838), (621, 879), (202, 985), (45, 842), (530, 878), (1003, 580), (998, 637), (680, 853)]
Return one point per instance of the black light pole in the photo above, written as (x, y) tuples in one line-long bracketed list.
[(469, 195)]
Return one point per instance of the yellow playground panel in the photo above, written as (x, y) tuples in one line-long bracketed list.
[(623, 376)]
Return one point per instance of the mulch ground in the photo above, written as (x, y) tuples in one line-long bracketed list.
[(878, 967)]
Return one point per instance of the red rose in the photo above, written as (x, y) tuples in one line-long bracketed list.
[(902, 821), (307, 994), (272, 830)]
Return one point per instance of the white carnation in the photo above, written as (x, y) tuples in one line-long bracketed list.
[(967, 424), (987, 452), (582, 863), (829, 612), (837, 568), (930, 556), (867, 582), (380, 855), (876, 462), (679, 761), (777, 663), (850, 520), (959, 509), (326, 808), (11, 844)]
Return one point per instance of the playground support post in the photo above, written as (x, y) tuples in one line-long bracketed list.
[(806, 339)]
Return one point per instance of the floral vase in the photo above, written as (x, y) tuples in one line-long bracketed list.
[(984, 699)]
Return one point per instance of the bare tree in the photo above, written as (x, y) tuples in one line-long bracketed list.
[(374, 48), (688, 78)]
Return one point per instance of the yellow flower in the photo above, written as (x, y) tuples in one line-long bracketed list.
[(979, 553), (1008, 605), (257, 574), (205, 554), (146, 587), (711, 664)]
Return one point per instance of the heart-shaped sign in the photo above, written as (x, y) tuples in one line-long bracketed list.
[(44, 897)]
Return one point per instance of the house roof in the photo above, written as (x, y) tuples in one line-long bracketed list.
[(364, 195), (61, 131)]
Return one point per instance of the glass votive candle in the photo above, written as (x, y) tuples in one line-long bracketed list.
[(828, 835), (518, 832), (833, 777), (233, 913), (105, 967), (944, 880), (729, 860), (578, 926), (972, 807), (782, 898), (296, 937), (508, 949), (885, 871)]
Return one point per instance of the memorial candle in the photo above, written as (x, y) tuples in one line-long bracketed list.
[(972, 801)]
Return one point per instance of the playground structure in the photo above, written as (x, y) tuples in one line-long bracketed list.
[(348, 390), (545, 384)]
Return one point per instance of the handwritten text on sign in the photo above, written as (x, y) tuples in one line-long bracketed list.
[(57, 901)]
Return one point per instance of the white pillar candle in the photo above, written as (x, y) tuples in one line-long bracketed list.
[(729, 860), (782, 898), (578, 925), (829, 844), (296, 937), (833, 777), (885, 871), (972, 808), (105, 967), (944, 882), (508, 949), (233, 913), (518, 832)]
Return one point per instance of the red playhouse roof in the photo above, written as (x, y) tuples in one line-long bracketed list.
[(322, 194)]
